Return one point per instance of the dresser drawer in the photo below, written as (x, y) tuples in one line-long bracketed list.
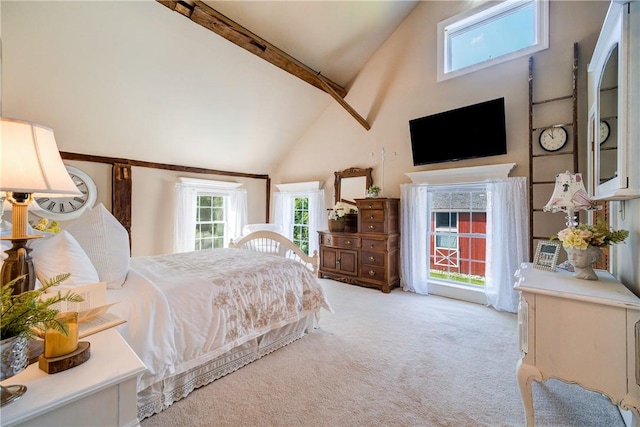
[(372, 259), (371, 204), (374, 244), (375, 215), (347, 242), (372, 272), (372, 227)]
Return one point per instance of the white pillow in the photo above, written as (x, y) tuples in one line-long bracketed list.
[(60, 254), (106, 242)]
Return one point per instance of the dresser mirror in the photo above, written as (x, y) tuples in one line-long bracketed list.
[(351, 184), (612, 76)]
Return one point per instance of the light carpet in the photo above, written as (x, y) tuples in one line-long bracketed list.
[(397, 359)]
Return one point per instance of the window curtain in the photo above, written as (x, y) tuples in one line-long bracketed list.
[(236, 214), (413, 238), (184, 232), (284, 204), (187, 191), (507, 247)]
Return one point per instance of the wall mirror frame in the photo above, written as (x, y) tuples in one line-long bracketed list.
[(611, 73), (351, 184)]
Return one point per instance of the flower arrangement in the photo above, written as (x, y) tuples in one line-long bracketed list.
[(44, 225), (339, 211), (583, 235)]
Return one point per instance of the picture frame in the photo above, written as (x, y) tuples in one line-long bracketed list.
[(546, 256)]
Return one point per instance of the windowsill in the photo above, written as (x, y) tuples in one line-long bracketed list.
[(458, 292), (461, 175)]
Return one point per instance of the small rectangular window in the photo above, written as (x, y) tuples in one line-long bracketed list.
[(301, 223), (457, 235), (210, 222), (491, 34)]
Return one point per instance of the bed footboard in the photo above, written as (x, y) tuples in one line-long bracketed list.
[(277, 244)]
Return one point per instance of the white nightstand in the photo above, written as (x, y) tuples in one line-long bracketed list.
[(100, 392), (579, 331)]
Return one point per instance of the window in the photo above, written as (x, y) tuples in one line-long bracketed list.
[(491, 34), (299, 207), (301, 223), (210, 222), (457, 235), (208, 214)]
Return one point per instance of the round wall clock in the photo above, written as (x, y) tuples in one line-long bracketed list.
[(605, 130), (553, 138), (66, 208)]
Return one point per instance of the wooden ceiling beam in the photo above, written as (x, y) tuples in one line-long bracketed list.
[(211, 19)]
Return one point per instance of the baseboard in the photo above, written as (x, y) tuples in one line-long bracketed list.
[(628, 418)]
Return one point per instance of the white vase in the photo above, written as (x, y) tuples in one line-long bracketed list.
[(582, 261), (14, 355)]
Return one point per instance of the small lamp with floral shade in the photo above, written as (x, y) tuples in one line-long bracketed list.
[(570, 196), (582, 242)]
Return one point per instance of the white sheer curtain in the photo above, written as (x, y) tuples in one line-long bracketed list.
[(413, 238), (236, 214), (507, 240), (184, 231), (284, 203), (187, 192)]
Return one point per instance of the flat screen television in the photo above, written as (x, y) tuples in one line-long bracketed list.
[(464, 133)]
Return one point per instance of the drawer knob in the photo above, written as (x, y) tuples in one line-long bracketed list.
[(370, 205), (372, 217), (372, 273), (372, 246), (348, 242), (372, 227), (372, 258)]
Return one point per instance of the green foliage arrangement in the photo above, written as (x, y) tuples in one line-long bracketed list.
[(22, 314), (374, 189)]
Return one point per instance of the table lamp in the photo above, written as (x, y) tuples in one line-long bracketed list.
[(570, 196), (30, 163)]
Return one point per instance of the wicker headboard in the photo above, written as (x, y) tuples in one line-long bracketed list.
[(277, 244)]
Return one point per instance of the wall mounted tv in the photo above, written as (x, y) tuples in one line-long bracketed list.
[(473, 131)]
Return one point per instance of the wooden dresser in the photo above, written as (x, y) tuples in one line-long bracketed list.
[(369, 257)]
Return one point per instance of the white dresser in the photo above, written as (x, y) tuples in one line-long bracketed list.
[(579, 331), (100, 392)]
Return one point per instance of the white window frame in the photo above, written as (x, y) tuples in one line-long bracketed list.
[(470, 187), (225, 201), (185, 221), (484, 14), (283, 207), (301, 225)]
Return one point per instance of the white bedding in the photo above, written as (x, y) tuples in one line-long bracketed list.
[(186, 309)]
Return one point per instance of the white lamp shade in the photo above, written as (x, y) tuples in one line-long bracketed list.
[(30, 160), (569, 194)]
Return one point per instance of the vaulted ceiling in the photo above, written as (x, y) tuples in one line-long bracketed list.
[(136, 79), (331, 38)]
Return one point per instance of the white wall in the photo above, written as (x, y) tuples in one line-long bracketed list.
[(399, 84)]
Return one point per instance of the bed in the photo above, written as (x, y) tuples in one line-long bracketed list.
[(194, 317)]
